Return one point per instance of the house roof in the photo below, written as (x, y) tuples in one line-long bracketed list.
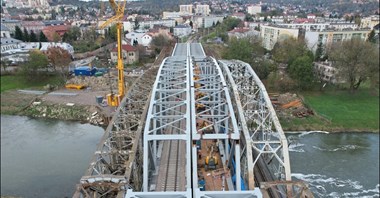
[(53, 22), (239, 30), (182, 26), (128, 48), (59, 29), (240, 14)]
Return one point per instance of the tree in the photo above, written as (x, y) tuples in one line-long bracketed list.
[(18, 33), (135, 42), (371, 37), (112, 33), (248, 17), (56, 37), (159, 42), (249, 50), (319, 53), (32, 69), (287, 50), (301, 70), (59, 59), (5, 63), (137, 25), (26, 36), (53, 15), (71, 35), (33, 36), (356, 61), (42, 37)]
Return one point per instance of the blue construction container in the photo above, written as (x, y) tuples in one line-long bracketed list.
[(84, 71)]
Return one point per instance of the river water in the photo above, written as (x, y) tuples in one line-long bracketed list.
[(336, 164), (46, 158)]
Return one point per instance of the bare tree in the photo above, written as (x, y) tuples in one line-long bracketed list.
[(356, 61), (60, 59)]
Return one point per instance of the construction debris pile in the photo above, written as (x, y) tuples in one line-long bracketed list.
[(288, 104), (99, 83)]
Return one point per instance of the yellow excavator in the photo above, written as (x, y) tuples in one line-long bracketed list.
[(115, 99), (211, 161)]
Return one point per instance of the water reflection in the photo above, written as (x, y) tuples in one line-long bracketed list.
[(44, 158)]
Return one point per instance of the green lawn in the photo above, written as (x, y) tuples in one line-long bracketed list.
[(345, 110), (18, 82)]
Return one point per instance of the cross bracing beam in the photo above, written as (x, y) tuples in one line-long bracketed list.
[(167, 128), (214, 120), (268, 143)]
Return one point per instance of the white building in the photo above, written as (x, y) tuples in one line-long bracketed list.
[(135, 35), (46, 45), (9, 46), (206, 21), (4, 32), (128, 26), (170, 15), (306, 26), (186, 9), (342, 26), (369, 22), (243, 32), (271, 34), (182, 30), (326, 72), (254, 9), (203, 10), (150, 24), (328, 37), (146, 39)]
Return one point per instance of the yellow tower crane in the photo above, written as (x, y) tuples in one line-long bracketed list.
[(115, 99)]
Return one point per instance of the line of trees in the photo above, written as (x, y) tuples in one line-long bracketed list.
[(29, 37), (41, 64), (356, 61)]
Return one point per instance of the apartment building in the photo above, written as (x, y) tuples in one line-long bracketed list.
[(254, 9), (369, 22), (182, 30), (130, 54), (186, 9), (206, 21), (326, 72), (203, 10), (271, 34), (328, 37)]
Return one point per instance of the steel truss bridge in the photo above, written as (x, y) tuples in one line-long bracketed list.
[(150, 146)]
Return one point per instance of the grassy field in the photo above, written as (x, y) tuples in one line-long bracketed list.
[(339, 111), (18, 82)]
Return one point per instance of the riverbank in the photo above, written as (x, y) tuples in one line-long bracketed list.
[(333, 111), (336, 111), (14, 102)]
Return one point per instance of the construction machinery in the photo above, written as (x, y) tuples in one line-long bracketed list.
[(211, 161), (112, 98)]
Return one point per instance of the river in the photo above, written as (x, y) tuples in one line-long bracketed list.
[(46, 158), (336, 164)]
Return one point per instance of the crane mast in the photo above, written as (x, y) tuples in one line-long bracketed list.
[(115, 99)]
